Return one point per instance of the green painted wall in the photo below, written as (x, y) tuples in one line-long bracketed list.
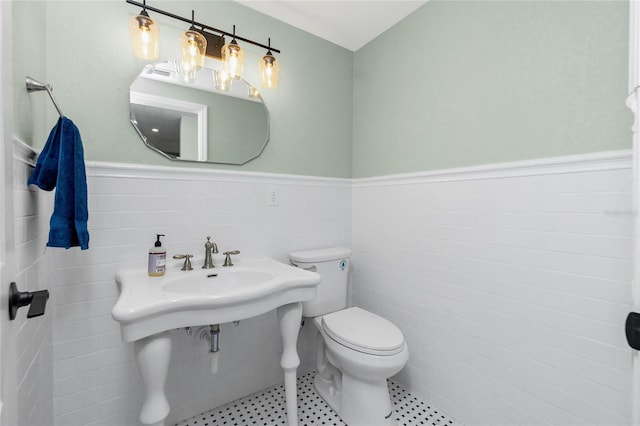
[(29, 45), (483, 82), (492, 81), (89, 62)]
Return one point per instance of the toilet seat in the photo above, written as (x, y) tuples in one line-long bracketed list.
[(363, 331)]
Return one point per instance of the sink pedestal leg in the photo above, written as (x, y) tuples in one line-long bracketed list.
[(289, 317), (152, 356)]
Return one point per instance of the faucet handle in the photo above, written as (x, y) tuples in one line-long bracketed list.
[(211, 245), (227, 259), (187, 261)]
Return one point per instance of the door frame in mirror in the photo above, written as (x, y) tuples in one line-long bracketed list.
[(199, 110)]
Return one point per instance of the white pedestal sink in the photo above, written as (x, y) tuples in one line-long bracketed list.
[(150, 306)]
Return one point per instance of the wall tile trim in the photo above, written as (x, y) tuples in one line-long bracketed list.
[(121, 170), (599, 161), (24, 153), (606, 160)]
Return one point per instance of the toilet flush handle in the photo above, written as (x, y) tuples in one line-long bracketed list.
[(311, 268)]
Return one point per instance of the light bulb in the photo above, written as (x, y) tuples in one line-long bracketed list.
[(254, 93), (144, 36), (269, 71), (222, 80), (186, 72), (233, 58), (193, 46)]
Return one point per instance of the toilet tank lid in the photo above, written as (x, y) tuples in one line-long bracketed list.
[(320, 255)]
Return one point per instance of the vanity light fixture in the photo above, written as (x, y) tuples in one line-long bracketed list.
[(144, 35), (193, 46), (233, 58), (269, 70), (231, 54)]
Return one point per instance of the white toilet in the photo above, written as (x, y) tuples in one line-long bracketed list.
[(357, 350)]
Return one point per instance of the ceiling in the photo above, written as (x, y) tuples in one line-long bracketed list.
[(347, 23)]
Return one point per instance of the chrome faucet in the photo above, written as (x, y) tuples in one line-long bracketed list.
[(209, 248)]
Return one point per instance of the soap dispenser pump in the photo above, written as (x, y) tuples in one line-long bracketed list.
[(157, 258)]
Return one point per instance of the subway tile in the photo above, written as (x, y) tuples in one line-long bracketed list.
[(63, 368), (83, 328), (79, 417), (235, 215), (529, 272), (482, 276)]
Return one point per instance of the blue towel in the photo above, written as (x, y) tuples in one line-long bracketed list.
[(61, 165)]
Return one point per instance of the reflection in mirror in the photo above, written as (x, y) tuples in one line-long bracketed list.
[(177, 129), (195, 121)]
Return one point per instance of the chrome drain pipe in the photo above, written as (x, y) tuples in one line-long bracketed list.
[(211, 336), (214, 331)]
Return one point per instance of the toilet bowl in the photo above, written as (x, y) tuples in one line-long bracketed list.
[(357, 350), (365, 361)]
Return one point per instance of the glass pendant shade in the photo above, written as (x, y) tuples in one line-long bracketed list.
[(144, 37), (193, 46), (186, 72), (254, 93), (222, 80), (233, 59), (269, 71)]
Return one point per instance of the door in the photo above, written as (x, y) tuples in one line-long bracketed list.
[(633, 102), (8, 381)]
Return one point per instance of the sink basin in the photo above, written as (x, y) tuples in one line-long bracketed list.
[(218, 283), (150, 305)]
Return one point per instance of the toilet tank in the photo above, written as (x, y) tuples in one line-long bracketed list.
[(333, 266)]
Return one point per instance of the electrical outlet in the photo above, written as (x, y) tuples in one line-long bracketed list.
[(273, 198)]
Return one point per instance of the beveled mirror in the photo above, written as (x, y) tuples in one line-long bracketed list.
[(194, 121)]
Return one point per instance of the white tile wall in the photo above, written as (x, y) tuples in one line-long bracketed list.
[(95, 377), (511, 287), (33, 339)]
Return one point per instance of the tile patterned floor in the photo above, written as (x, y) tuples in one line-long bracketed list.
[(267, 408)]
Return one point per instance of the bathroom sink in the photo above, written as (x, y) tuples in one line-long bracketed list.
[(149, 305), (220, 282)]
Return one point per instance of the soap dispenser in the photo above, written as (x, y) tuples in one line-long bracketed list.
[(157, 258)]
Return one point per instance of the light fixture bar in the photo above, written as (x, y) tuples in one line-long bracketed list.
[(203, 26)]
